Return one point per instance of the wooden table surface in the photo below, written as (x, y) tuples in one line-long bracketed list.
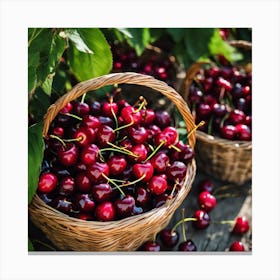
[(231, 202)]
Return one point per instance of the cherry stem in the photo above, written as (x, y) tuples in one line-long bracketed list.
[(143, 104), (209, 130), (124, 126), (224, 222), (113, 183), (223, 119), (227, 195), (83, 98), (74, 139), (183, 225), (134, 182), (195, 128), (155, 150), (222, 94), (173, 189), (121, 149), (182, 221), (57, 138), (224, 187), (115, 150), (113, 113), (175, 148), (73, 116)]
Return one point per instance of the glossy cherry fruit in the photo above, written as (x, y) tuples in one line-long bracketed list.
[(169, 238), (47, 182), (207, 201), (202, 219)]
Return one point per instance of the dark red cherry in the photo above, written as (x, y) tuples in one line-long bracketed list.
[(47, 182), (131, 115), (219, 110), (224, 83), (186, 153), (46, 197), (95, 171), (102, 192), (195, 96), (151, 246), (138, 135), (106, 121), (204, 110), (206, 185), (241, 225), (95, 108), (207, 201), (148, 116), (236, 116), (160, 161), (142, 197), (157, 185), (124, 206), (105, 134), (66, 186), (248, 121), (187, 246), (58, 131), (243, 132), (83, 183), (62, 204), (68, 155), (177, 170), (203, 219), (110, 108), (89, 154), (237, 246), (105, 211), (228, 132), (67, 108), (117, 164), (84, 203), (163, 119), (144, 170), (140, 152), (81, 109), (84, 136), (91, 121), (160, 200), (169, 238)]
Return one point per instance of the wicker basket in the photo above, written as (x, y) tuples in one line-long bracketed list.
[(72, 234), (226, 160)]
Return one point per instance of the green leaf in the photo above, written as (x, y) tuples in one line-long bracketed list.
[(47, 84), (86, 66), (35, 157), (140, 39), (125, 31), (33, 62), (218, 46), (75, 37), (177, 34), (30, 246), (197, 40)]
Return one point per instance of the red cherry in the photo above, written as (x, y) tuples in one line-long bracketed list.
[(206, 185), (187, 246), (138, 135), (62, 205), (102, 192), (83, 183), (206, 201), (131, 115), (142, 197), (47, 182), (105, 134), (85, 136), (237, 246), (95, 171), (58, 131), (105, 212), (84, 203), (89, 154), (157, 185), (140, 151), (110, 108), (224, 83), (151, 246), (117, 164), (176, 171), (169, 238), (148, 116), (124, 206), (236, 116), (68, 155), (163, 119), (81, 109), (204, 110), (228, 132), (141, 169), (243, 132), (66, 186), (169, 135), (67, 108), (91, 121), (160, 161), (241, 225), (203, 219)]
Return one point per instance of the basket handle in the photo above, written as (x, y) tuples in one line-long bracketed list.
[(121, 78)]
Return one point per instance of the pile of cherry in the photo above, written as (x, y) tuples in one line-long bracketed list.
[(150, 63), (169, 237), (108, 160), (222, 97)]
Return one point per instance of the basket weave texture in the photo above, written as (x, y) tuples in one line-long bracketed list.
[(226, 160), (71, 234)]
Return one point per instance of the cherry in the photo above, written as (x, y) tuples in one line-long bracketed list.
[(91, 121), (207, 201), (83, 183), (157, 185), (124, 206), (186, 153), (236, 91), (68, 155), (106, 121), (131, 115), (79, 167), (138, 135), (203, 219), (206, 185), (95, 171), (237, 246), (105, 211), (162, 119), (241, 225), (187, 246), (66, 186), (236, 116), (105, 134), (117, 164), (84, 136), (204, 110), (81, 109), (95, 108), (248, 121), (177, 170), (243, 132), (228, 132), (195, 96), (84, 203), (89, 154), (160, 200), (148, 116), (110, 108), (47, 182), (219, 110), (62, 204), (151, 246), (46, 198), (102, 192), (224, 83), (159, 162), (169, 134), (140, 151), (58, 131), (67, 108), (144, 171), (169, 237), (142, 197)]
